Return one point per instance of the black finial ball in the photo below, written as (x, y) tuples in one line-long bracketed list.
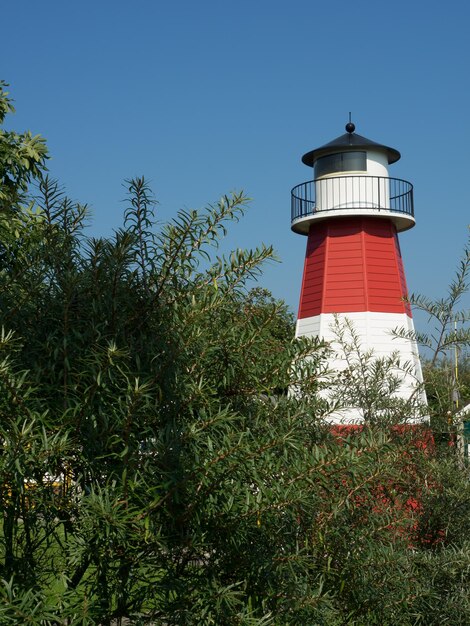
[(350, 128)]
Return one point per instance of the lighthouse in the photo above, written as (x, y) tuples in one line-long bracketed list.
[(351, 212)]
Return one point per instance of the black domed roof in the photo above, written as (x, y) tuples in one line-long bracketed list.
[(348, 142)]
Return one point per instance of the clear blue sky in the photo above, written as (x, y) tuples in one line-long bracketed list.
[(211, 96)]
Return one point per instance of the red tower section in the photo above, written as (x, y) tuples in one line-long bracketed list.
[(353, 264)]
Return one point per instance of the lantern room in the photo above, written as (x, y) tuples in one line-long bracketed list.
[(350, 177)]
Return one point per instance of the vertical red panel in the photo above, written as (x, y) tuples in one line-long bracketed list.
[(401, 271)]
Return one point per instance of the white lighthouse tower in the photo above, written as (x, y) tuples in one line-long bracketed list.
[(351, 213)]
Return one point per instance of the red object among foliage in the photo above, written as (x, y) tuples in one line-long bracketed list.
[(420, 434), (420, 438)]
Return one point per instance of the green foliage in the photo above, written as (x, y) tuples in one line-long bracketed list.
[(140, 416), (446, 345), (444, 316), (22, 157), (154, 466)]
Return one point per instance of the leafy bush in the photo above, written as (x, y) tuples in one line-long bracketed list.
[(154, 464)]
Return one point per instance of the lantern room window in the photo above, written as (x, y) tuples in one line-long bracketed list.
[(340, 162)]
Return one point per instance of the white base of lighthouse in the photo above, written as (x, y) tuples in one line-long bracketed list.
[(368, 331)]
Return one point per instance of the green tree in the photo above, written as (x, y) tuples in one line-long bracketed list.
[(446, 345), (154, 466), (22, 157)]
